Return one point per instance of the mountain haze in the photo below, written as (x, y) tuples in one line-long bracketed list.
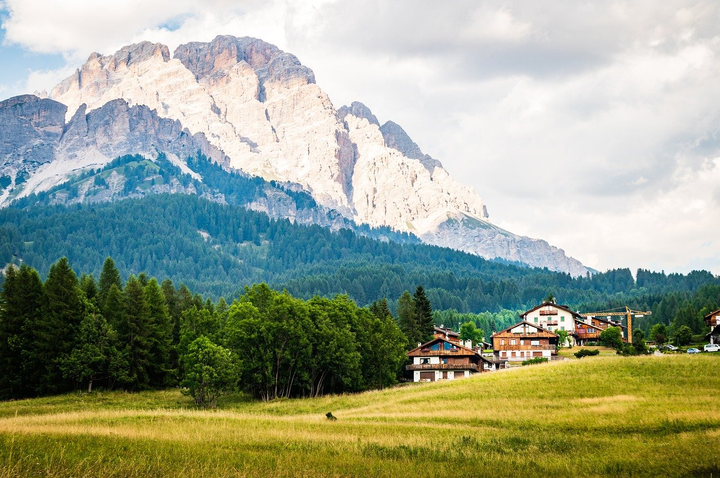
[(249, 106)]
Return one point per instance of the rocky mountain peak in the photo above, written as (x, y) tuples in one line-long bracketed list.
[(258, 110), (359, 110), (218, 57), (396, 138)]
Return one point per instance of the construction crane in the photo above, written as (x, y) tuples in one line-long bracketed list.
[(628, 313)]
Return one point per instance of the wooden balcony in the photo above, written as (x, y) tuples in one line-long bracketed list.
[(442, 366), (525, 347)]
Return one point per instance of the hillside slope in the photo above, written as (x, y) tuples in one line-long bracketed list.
[(609, 416), (251, 107)]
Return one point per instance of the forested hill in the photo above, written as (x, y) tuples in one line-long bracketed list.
[(217, 249)]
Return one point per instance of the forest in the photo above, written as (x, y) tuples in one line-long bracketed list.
[(69, 333)]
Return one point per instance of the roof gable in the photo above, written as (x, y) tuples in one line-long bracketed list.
[(460, 349), (525, 322), (550, 304), (709, 316)]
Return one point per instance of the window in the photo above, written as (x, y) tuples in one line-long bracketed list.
[(424, 361), (534, 342), (513, 341), (536, 319), (445, 360), (562, 319), (435, 347), (562, 327), (522, 342), (447, 346), (502, 341)]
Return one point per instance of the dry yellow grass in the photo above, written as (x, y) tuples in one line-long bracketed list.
[(595, 417)]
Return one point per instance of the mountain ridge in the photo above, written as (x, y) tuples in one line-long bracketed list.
[(262, 112)]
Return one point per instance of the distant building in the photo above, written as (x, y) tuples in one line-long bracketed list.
[(524, 341), (445, 359), (712, 320), (552, 317)]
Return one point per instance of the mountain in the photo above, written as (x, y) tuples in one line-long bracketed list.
[(250, 107)]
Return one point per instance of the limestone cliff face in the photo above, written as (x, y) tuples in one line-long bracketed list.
[(30, 128), (260, 111), (40, 144)]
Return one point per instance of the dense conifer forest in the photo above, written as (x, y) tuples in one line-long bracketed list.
[(67, 333), (216, 250)]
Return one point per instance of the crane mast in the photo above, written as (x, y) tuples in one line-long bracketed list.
[(628, 313)]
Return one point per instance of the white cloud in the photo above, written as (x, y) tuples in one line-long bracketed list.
[(593, 125)]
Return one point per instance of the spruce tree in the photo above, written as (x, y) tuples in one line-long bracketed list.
[(161, 335), (135, 332), (20, 304), (89, 287), (59, 325), (108, 277), (423, 314), (380, 309), (407, 319)]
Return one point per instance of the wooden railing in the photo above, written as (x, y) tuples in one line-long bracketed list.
[(525, 347), (442, 366)]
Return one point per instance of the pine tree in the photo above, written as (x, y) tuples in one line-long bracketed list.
[(407, 319), (59, 325), (380, 309), (423, 314), (135, 332), (108, 277), (20, 305), (161, 334), (89, 287)]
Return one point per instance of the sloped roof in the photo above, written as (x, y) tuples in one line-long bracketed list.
[(461, 350), (707, 317), (441, 330), (609, 322), (549, 332), (546, 304)]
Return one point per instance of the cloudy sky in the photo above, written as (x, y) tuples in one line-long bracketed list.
[(594, 125)]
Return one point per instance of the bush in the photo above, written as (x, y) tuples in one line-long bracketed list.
[(586, 353), (535, 360)]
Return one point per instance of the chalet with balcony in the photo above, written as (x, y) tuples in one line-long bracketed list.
[(585, 332), (553, 317), (443, 359), (712, 320), (524, 341)]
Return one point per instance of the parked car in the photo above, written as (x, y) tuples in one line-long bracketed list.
[(670, 347), (712, 348), (693, 351)]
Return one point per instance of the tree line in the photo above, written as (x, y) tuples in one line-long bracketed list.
[(69, 333), (213, 247)]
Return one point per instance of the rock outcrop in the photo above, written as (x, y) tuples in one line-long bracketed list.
[(262, 112)]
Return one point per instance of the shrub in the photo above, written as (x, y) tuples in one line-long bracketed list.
[(586, 353), (535, 360)]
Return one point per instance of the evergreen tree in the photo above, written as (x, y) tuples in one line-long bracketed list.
[(20, 305), (109, 276), (135, 332), (380, 309), (161, 339), (59, 325), (89, 287), (424, 316), (95, 355), (407, 319)]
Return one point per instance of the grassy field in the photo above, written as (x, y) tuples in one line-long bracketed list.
[(597, 416)]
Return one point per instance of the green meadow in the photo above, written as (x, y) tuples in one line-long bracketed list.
[(599, 416)]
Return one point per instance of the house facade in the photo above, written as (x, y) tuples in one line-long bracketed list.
[(443, 359), (523, 341), (552, 317), (712, 320)]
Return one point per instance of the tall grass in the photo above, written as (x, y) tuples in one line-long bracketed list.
[(594, 417)]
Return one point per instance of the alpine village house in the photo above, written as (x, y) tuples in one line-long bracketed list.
[(712, 320), (445, 358)]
